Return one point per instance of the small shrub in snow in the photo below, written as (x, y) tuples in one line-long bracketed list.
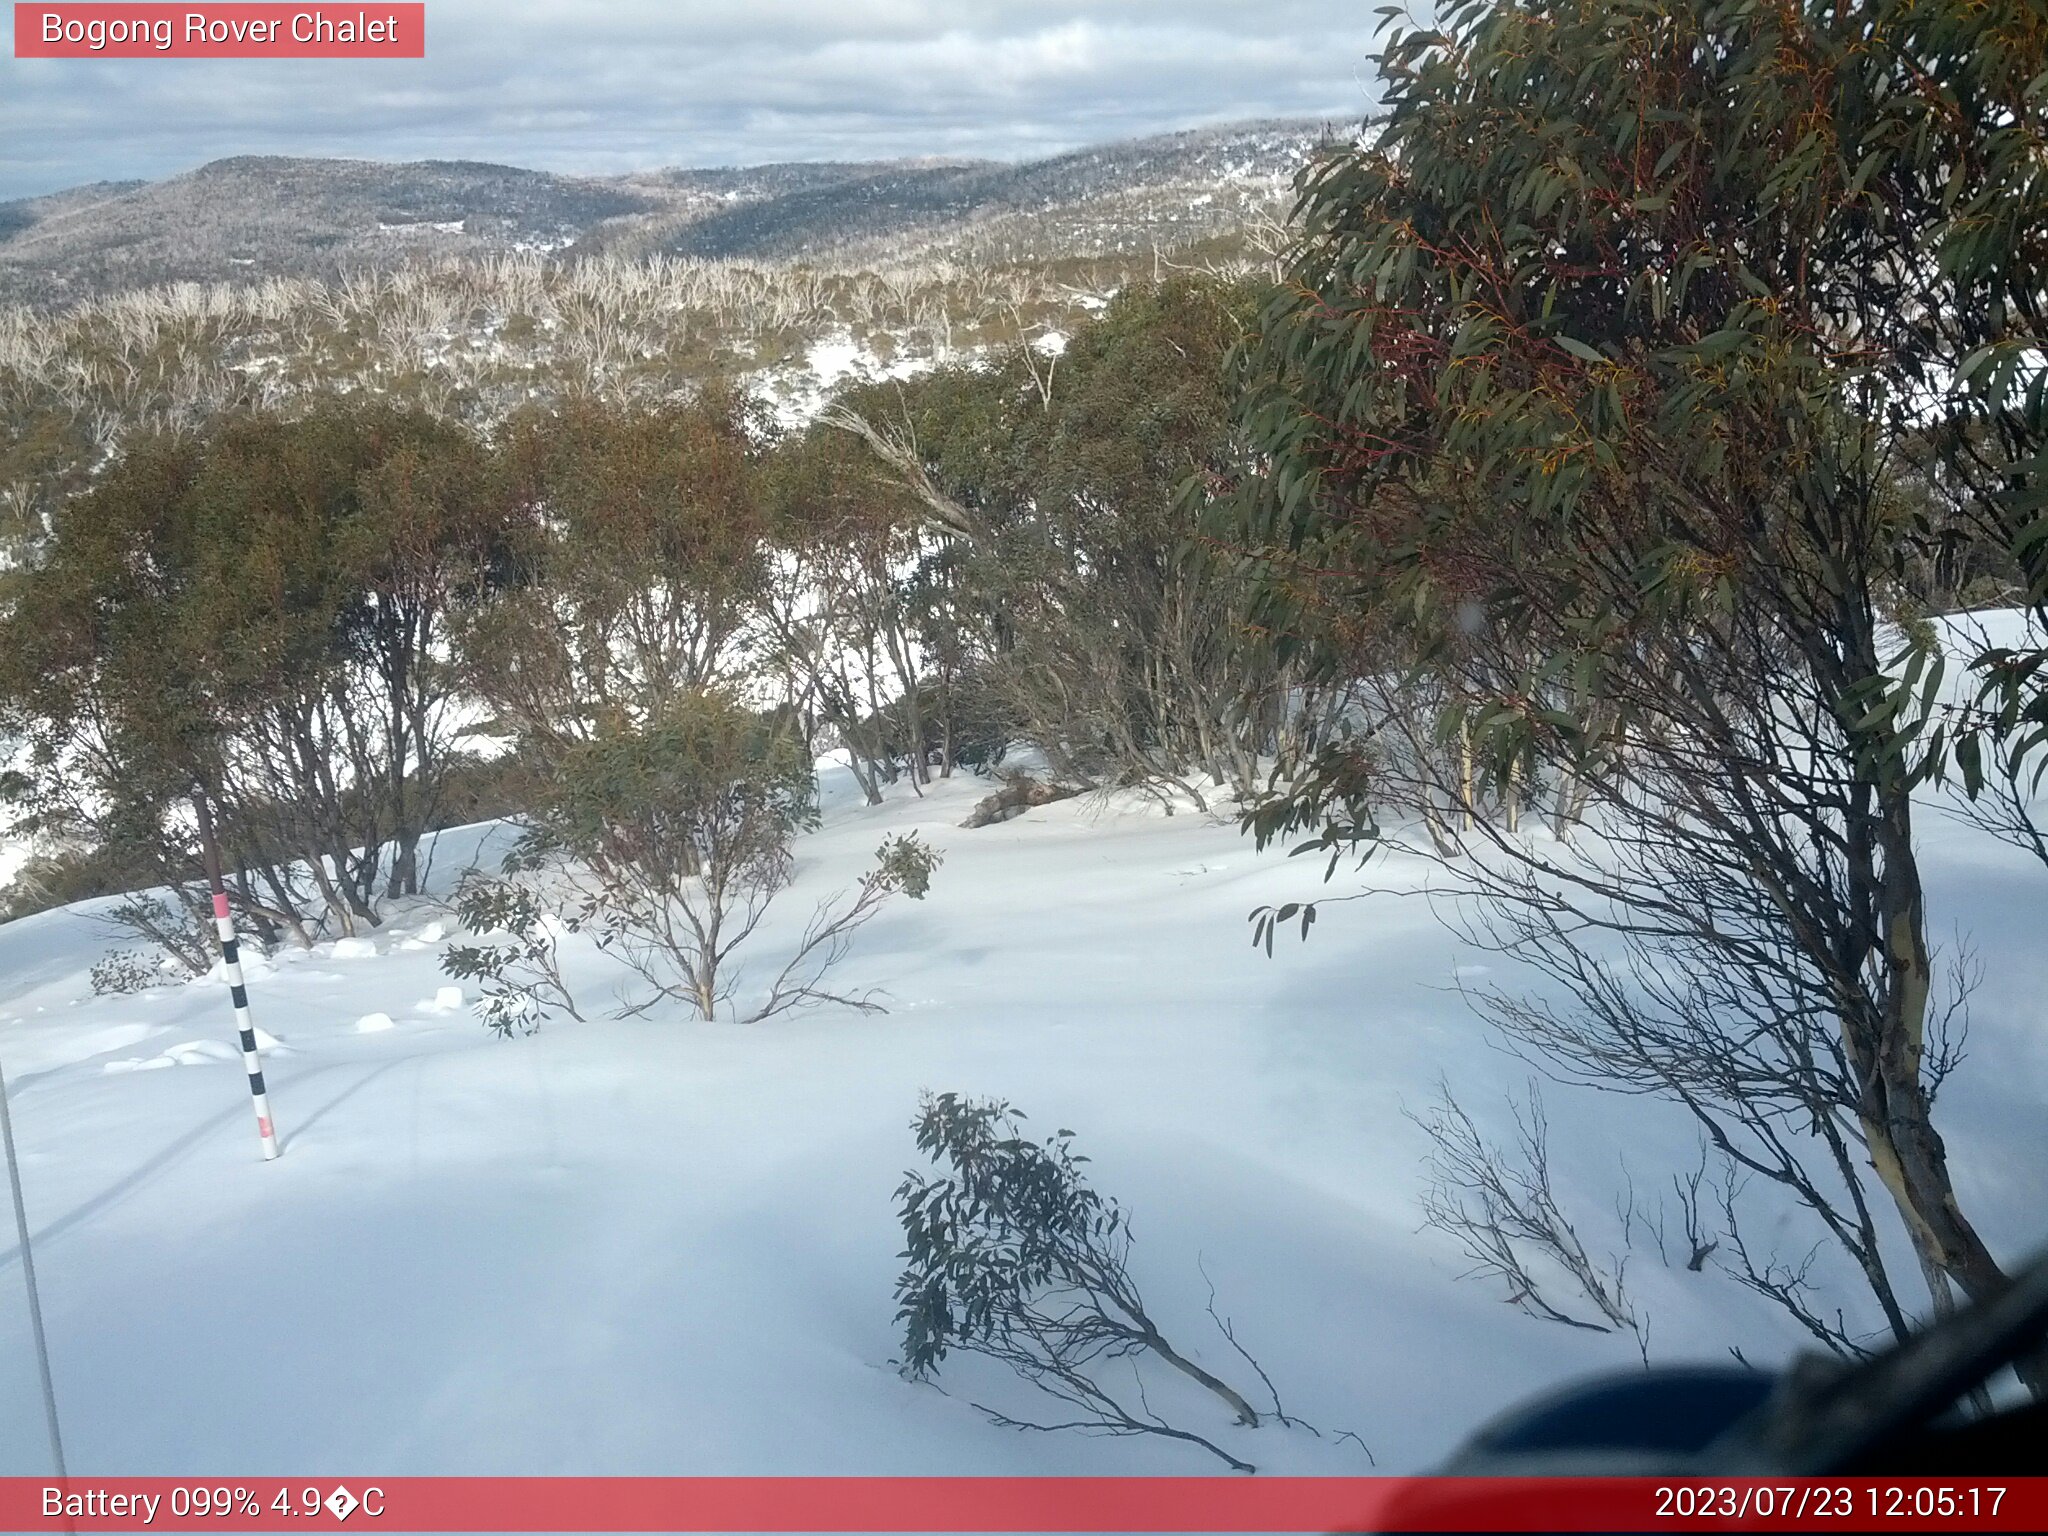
[(903, 865), (1502, 1210), (522, 980), (906, 864), (1010, 1255), (675, 840), (183, 933), (124, 971)]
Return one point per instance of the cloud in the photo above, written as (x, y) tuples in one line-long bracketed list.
[(634, 84)]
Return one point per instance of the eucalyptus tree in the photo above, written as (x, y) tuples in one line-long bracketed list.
[(1593, 382), (260, 611)]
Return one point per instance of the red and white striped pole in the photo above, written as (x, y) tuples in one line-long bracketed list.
[(231, 954)]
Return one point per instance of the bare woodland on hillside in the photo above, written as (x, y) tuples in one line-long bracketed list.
[(255, 217)]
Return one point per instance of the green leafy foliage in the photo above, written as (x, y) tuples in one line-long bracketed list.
[(258, 609), (1086, 612), (708, 788), (906, 864), (636, 538), (1011, 1218), (1609, 399), (521, 980), (1610, 260), (1012, 1256)]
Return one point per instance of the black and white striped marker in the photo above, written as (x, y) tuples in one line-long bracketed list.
[(231, 955)]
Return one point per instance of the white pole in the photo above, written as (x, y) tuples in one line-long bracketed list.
[(28, 1275)]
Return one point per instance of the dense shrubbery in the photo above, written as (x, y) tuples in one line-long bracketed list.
[(304, 616), (259, 612), (1047, 507)]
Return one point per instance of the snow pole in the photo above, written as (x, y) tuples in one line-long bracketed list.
[(231, 956), (35, 1301)]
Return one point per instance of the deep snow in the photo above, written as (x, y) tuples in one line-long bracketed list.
[(657, 1246)]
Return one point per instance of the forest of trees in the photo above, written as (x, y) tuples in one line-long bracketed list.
[(356, 621), (1629, 406)]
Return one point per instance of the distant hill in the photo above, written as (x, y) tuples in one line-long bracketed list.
[(27, 212), (260, 216), (265, 215), (943, 199)]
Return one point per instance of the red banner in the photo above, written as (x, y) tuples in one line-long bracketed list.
[(74, 31), (1062, 1504)]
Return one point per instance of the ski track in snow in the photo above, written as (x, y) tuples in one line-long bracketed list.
[(659, 1246)]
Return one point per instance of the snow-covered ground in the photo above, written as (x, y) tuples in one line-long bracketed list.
[(658, 1246), (796, 393)]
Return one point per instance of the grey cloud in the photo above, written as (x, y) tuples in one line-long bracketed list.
[(634, 84)]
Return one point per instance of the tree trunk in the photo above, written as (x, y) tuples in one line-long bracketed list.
[(1246, 1414), (1465, 772), (1906, 1151)]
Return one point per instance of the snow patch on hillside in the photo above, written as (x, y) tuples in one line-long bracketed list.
[(795, 393)]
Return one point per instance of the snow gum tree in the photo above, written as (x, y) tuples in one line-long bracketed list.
[(637, 534), (1064, 494), (857, 609), (258, 610), (1594, 377), (673, 840)]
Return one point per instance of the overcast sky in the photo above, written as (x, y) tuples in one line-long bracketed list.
[(617, 85)]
